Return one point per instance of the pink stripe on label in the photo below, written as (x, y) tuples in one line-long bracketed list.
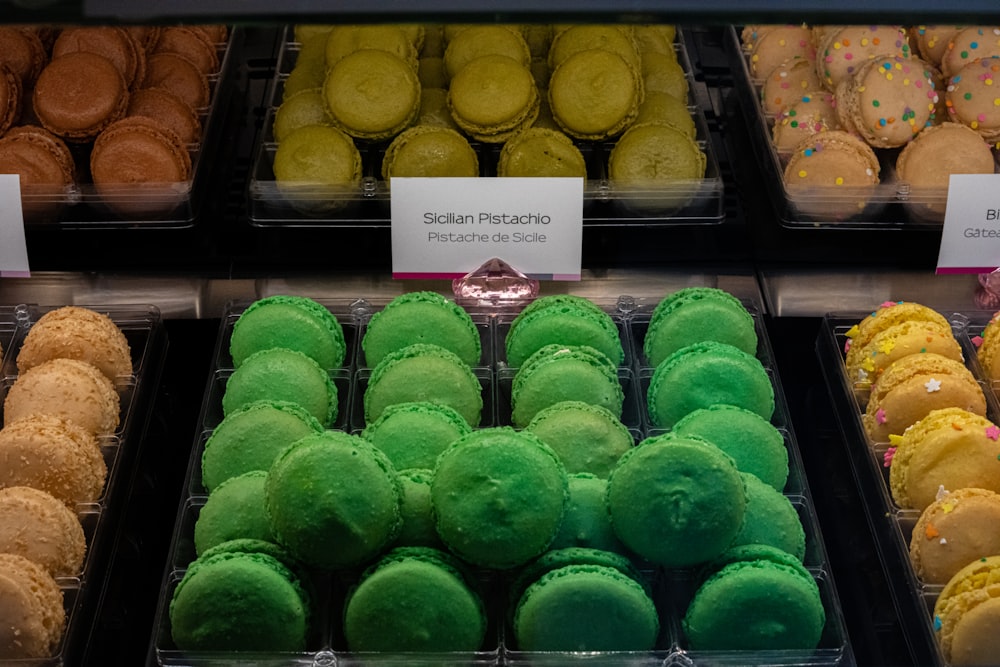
[(949, 270)]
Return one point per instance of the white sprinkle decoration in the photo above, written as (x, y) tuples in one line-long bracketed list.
[(941, 492), (933, 385), (943, 541)]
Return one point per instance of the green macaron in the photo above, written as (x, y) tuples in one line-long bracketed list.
[(333, 500), (755, 598), (694, 314), (588, 438), (677, 501), (557, 373), (771, 519), (587, 522), (585, 608), (280, 374), (413, 434), (239, 601), (423, 372), (294, 322), (499, 496), (415, 600), (421, 317), (250, 437), (563, 319), (235, 509), (756, 445), (417, 529), (704, 374)]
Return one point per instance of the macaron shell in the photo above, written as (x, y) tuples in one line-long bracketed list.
[(284, 375), (54, 455), (770, 519), (372, 94), (78, 95), (865, 363), (423, 372), (986, 353), (971, 593), (10, 98), (587, 438), (889, 314), (704, 374), (430, 150), (295, 322), (694, 314), (413, 434), (138, 150), (788, 82), (180, 76), (37, 525), (953, 531), (676, 500), (940, 151), (77, 333), (69, 389), (595, 94), (493, 97), (234, 510), (168, 108), (778, 45), (479, 40), (950, 448), (565, 323), (421, 317), (913, 386), (811, 113), (38, 156), (970, 97), (557, 373), (585, 608), (32, 618)]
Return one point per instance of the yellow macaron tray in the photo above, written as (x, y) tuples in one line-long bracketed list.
[(354, 188), (832, 151), (195, 546), (918, 528), (83, 570), (167, 171)]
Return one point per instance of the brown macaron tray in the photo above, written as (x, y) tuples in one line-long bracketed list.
[(892, 203), (83, 592), (671, 589), (604, 203), (141, 201), (891, 524)]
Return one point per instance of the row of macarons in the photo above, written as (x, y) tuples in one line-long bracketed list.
[(443, 505), (57, 446), (925, 413)]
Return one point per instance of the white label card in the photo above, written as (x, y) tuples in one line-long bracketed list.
[(13, 248), (448, 227), (970, 240)]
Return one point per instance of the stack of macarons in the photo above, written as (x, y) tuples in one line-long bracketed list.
[(903, 361), (61, 407)]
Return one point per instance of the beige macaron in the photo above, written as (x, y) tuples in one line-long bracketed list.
[(77, 333), (914, 385), (66, 388), (988, 352), (890, 313), (37, 525), (32, 616), (967, 612), (948, 448), (866, 362), (54, 455), (956, 529)]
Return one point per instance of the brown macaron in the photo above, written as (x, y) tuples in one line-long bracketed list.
[(179, 75), (37, 155), (75, 332), (37, 525), (112, 42), (165, 106), (33, 618), (79, 94), (54, 455), (69, 389), (10, 97), (22, 50), (139, 150), (190, 43)]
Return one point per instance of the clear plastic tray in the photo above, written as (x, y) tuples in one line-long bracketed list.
[(685, 202), (672, 588), (891, 524), (891, 203), (83, 591), (149, 206)]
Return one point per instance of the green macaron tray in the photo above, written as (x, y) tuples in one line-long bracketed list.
[(672, 589), (83, 591), (892, 203), (83, 205), (891, 524), (368, 204)]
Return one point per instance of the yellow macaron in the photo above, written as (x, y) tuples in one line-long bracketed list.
[(913, 386), (950, 448), (967, 614), (954, 530), (865, 362)]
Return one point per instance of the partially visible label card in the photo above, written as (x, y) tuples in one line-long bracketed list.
[(970, 240), (13, 248), (448, 227)]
